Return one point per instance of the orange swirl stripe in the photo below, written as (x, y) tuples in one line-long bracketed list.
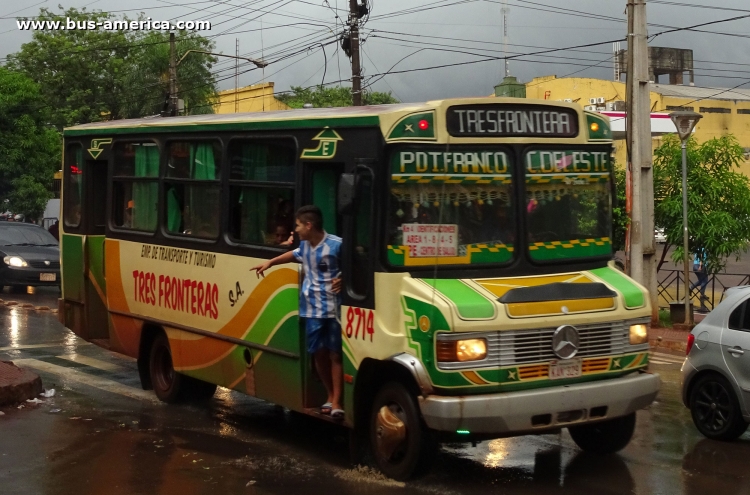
[(203, 351)]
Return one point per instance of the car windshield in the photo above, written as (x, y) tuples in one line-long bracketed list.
[(568, 204), (26, 236), (452, 207)]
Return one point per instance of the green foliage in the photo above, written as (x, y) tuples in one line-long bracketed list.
[(88, 75), (718, 198), (29, 148), (322, 97), (620, 218)]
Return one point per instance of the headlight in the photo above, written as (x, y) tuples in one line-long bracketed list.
[(639, 334), (16, 261), (461, 350)]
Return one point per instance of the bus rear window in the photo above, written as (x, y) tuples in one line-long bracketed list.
[(451, 206), (568, 204)]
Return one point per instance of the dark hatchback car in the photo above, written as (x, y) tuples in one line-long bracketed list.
[(29, 254)]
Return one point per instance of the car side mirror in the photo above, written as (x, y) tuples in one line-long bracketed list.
[(346, 191)]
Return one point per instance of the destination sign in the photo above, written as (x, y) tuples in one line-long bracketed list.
[(508, 120), (561, 162), (450, 162)]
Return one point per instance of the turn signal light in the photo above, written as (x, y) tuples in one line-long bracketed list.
[(594, 127), (638, 334), (424, 125)]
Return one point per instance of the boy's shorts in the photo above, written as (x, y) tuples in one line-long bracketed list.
[(323, 333)]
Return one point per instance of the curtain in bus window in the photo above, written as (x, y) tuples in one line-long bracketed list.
[(255, 201), (145, 194), (201, 200), (174, 214)]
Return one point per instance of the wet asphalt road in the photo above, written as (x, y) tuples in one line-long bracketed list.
[(101, 433)]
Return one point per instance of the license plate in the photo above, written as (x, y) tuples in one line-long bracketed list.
[(47, 277), (569, 368)]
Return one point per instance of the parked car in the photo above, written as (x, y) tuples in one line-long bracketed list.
[(29, 254), (659, 236), (716, 372)]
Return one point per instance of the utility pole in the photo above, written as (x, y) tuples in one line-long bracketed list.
[(172, 76), (505, 11), (642, 252), (236, 75), (354, 41)]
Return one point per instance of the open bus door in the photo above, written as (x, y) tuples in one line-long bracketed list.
[(320, 182), (83, 306)]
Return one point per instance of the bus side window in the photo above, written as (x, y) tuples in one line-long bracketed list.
[(135, 186), (192, 190), (261, 191), (74, 186), (362, 234)]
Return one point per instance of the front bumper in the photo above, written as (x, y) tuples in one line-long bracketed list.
[(28, 276), (543, 409)]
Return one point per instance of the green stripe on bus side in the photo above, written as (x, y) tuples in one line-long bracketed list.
[(469, 303), (633, 295), (72, 267), (290, 124), (95, 247)]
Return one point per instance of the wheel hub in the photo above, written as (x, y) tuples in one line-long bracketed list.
[(390, 432)]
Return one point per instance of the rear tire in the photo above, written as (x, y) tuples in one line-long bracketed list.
[(169, 386), (604, 437), (403, 458), (715, 409)]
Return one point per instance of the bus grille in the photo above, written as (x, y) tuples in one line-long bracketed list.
[(530, 346)]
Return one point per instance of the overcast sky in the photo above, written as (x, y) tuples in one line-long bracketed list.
[(438, 32)]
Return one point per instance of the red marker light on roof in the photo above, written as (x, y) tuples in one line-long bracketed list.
[(424, 125)]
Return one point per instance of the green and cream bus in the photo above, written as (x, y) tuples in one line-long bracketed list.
[(479, 297)]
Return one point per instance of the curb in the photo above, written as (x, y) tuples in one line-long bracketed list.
[(17, 385), (26, 305)]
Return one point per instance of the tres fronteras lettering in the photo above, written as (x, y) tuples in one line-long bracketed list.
[(492, 121)]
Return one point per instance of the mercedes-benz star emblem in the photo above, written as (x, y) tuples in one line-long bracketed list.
[(46, 263), (565, 342)]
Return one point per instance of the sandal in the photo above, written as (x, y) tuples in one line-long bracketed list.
[(337, 413), (326, 408)]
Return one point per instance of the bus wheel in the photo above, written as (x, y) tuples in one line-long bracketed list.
[(168, 384), (401, 444), (604, 437)]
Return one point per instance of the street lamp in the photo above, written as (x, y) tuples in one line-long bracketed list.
[(685, 122)]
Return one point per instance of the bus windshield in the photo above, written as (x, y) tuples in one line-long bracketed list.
[(568, 204), (451, 206)]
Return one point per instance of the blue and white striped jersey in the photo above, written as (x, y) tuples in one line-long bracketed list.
[(321, 264)]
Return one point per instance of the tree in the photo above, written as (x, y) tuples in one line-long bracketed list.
[(620, 220), (718, 198), (29, 147), (322, 97), (88, 75)]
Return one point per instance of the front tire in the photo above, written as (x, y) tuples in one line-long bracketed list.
[(604, 437), (401, 444), (715, 409), (169, 385)]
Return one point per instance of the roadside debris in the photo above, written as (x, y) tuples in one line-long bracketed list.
[(48, 393), (35, 401)]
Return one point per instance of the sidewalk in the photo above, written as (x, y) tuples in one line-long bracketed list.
[(672, 340), (17, 385)]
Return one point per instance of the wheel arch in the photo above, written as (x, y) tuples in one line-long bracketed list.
[(374, 373)]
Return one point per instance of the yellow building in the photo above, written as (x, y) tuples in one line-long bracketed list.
[(724, 111), (255, 98)]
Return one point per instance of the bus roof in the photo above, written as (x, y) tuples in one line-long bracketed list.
[(365, 116)]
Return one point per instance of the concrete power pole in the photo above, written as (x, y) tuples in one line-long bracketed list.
[(354, 39), (172, 76), (642, 253)]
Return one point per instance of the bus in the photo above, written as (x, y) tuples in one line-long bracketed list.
[(479, 299)]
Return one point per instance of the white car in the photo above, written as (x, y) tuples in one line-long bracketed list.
[(660, 236)]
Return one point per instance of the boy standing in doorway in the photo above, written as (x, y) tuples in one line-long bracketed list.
[(319, 301)]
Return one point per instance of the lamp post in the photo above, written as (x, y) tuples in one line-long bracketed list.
[(685, 122)]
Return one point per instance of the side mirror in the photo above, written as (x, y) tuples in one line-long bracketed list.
[(347, 187)]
